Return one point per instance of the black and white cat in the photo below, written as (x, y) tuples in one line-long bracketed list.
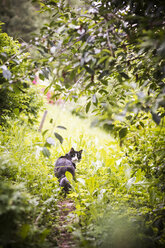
[(67, 163)]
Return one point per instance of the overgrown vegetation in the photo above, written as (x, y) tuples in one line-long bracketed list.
[(117, 200), (110, 51), (17, 95), (107, 57)]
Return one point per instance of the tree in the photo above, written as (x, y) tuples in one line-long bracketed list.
[(112, 51), (19, 17)]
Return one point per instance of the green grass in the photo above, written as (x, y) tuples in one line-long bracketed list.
[(110, 202)]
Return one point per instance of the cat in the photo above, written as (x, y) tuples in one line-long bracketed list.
[(67, 163)]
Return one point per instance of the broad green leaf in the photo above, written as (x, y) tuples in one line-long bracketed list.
[(59, 137), (101, 60), (47, 89), (88, 106), (51, 120), (62, 127), (141, 123), (69, 176), (107, 51), (46, 152), (124, 75), (16, 111), (44, 132), (41, 76), (123, 132), (45, 72), (89, 85)]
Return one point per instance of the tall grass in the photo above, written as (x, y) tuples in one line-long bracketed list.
[(108, 200)]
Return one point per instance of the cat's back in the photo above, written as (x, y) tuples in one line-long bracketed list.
[(63, 161), (62, 165)]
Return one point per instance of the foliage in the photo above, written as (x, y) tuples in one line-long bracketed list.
[(112, 54), (119, 198), (110, 51), (15, 212), (125, 205), (20, 18), (116, 202), (28, 188), (17, 95)]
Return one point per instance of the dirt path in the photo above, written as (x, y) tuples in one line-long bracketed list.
[(65, 239)]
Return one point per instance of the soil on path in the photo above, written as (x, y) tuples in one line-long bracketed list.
[(65, 239)]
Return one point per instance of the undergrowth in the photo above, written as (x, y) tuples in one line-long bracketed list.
[(116, 204)]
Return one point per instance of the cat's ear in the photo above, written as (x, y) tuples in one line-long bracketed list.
[(81, 151), (72, 149)]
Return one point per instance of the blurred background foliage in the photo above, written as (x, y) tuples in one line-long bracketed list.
[(17, 94), (20, 18)]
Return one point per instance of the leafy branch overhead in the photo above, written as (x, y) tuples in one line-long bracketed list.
[(117, 46)]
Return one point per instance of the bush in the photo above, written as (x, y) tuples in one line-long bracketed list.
[(17, 94)]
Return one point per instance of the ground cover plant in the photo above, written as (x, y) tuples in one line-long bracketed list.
[(116, 203), (24, 161)]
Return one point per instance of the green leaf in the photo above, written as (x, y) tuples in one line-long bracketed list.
[(123, 132), (44, 132), (46, 152), (124, 75), (88, 106), (104, 73), (105, 82), (45, 72), (101, 60), (107, 51), (59, 137), (41, 76), (51, 120), (24, 231), (89, 70), (16, 111), (47, 89), (62, 127), (69, 176), (89, 85), (141, 123)]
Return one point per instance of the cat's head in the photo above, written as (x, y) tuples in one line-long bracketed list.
[(75, 155)]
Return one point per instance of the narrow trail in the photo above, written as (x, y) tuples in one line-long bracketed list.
[(65, 239)]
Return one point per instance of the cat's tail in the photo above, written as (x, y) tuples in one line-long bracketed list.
[(65, 184)]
